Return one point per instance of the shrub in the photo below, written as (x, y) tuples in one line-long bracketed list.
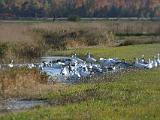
[(21, 82), (25, 52), (74, 18), (3, 49), (54, 41), (137, 42)]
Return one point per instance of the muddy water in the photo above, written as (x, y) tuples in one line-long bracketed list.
[(13, 105)]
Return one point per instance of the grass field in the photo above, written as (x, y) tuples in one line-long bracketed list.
[(125, 52), (130, 96)]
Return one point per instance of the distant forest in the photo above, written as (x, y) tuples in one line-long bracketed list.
[(82, 8)]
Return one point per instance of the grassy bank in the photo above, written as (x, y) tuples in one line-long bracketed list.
[(131, 96), (127, 52)]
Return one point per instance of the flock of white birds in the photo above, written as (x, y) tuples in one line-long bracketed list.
[(68, 68)]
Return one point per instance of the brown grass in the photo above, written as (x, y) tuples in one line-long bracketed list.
[(27, 42), (25, 84), (14, 33)]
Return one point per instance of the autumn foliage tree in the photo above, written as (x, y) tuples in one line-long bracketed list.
[(83, 8)]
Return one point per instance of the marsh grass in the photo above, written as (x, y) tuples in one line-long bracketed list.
[(23, 83), (140, 40), (32, 40)]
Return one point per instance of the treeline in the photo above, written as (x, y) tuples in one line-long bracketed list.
[(82, 8)]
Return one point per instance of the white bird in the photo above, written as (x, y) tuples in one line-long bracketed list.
[(83, 71), (158, 59), (155, 62), (75, 75), (90, 59), (141, 65), (97, 67), (109, 62), (150, 64), (30, 66), (75, 58), (65, 71), (74, 62), (142, 60), (11, 64), (94, 68)]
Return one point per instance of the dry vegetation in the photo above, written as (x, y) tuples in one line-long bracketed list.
[(26, 42), (24, 84)]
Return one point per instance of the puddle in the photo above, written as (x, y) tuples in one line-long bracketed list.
[(12, 105)]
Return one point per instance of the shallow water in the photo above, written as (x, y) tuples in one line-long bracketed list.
[(19, 104)]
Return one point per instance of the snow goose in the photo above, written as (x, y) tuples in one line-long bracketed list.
[(144, 65), (76, 59), (11, 64), (90, 59), (158, 59), (142, 60), (155, 62), (30, 66), (109, 62)]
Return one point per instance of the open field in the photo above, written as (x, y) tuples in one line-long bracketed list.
[(130, 96)]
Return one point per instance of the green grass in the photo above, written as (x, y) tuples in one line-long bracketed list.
[(132, 96), (127, 52)]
